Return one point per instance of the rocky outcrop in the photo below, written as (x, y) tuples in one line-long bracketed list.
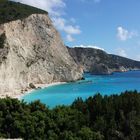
[(99, 62), (31, 51)]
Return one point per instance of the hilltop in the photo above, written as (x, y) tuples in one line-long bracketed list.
[(10, 11)]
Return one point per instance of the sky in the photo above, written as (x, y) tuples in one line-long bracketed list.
[(110, 25)]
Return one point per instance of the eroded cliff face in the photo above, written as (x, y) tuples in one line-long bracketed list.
[(31, 51), (99, 62)]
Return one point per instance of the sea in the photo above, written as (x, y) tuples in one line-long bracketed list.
[(65, 94)]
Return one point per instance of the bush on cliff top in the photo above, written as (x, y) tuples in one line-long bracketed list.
[(10, 11)]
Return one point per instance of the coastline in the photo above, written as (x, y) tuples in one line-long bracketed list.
[(19, 94)]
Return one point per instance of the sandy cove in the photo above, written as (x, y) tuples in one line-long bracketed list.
[(18, 94)]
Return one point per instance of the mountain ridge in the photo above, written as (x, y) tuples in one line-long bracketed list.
[(98, 61)]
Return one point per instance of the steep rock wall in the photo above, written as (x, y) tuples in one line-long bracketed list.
[(31, 51)]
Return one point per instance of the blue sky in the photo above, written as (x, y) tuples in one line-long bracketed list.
[(113, 25)]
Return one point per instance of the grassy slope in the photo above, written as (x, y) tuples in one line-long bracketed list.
[(10, 11)]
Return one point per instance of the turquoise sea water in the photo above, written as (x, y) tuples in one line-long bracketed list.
[(65, 94)]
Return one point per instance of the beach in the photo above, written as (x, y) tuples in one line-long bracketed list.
[(17, 94)]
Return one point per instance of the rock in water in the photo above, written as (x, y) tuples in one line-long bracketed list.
[(31, 49)]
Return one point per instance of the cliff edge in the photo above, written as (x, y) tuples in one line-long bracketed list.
[(31, 49)]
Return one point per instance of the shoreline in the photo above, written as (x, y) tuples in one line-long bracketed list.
[(19, 94)]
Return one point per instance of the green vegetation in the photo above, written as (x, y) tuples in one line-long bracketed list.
[(10, 11), (2, 39), (115, 117)]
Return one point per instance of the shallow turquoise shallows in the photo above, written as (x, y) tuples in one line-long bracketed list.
[(65, 94)]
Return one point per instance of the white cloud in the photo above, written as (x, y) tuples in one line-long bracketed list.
[(63, 25), (59, 22), (56, 11), (89, 46), (69, 38), (121, 52), (124, 34), (72, 29)]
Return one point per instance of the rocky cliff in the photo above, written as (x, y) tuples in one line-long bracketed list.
[(99, 62), (31, 49)]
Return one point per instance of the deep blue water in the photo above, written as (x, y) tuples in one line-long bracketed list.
[(65, 94)]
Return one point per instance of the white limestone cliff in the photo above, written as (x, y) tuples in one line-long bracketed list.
[(32, 51)]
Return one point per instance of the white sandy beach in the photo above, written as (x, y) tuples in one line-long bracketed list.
[(18, 94)]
